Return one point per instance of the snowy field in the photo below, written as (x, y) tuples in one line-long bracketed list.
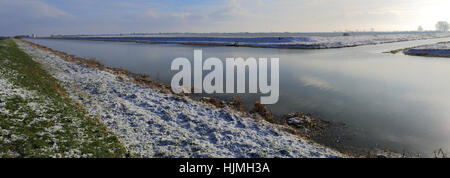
[(154, 124), (332, 40), (438, 50)]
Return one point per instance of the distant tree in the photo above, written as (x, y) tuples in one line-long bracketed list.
[(442, 26), (420, 29)]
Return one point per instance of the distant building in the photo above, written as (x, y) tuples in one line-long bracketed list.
[(33, 36)]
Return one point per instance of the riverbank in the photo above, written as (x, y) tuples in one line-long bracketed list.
[(151, 123), (441, 49), (276, 40), (39, 120), (433, 50)]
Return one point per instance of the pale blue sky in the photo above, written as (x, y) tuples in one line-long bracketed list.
[(45, 17)]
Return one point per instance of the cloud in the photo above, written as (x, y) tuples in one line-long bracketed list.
[(114, 16), (230, 11), (30, 9), (310, 81), (28, 16)]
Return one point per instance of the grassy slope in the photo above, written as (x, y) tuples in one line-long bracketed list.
[(59, 128)]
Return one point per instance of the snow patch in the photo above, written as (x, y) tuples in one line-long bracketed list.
[(437, 49)]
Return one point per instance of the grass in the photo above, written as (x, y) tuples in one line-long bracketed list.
[(46, 123)]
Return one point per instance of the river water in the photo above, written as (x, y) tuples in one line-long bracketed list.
[(391, 101)]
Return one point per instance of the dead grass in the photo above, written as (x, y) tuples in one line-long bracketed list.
[(94, 63), (237, 104), (263, 112), (214, 101)]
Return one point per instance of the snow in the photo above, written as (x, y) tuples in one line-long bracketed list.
[(437, 49), (296, 42), (8, 134), (154, 124), (8, 90)]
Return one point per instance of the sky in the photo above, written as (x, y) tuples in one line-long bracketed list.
[(46, 17)]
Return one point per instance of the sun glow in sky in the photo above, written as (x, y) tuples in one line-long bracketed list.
[(46, 17)]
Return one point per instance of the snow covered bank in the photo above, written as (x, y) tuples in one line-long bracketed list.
[(154, 124), (37, 120), (294, 42), (436, 50)]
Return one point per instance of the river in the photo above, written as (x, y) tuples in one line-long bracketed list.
[(392, 101)]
